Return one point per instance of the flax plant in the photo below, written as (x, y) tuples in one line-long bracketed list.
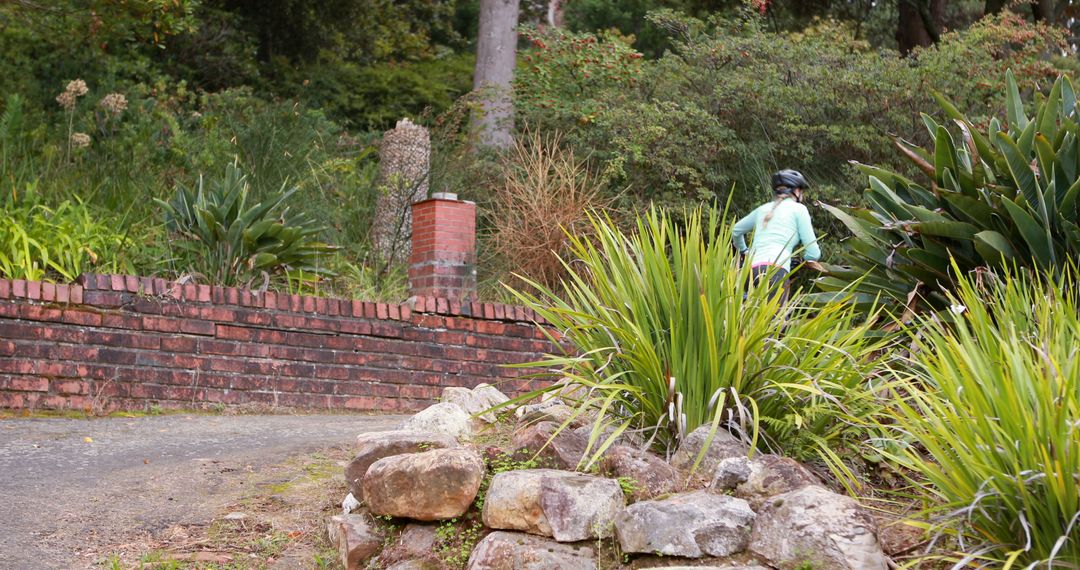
[(666, 334), (990, 408)]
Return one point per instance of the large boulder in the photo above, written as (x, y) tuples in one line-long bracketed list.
[(444, 417), (566, 506), (689, 524), (427, 486), (722, 446), (477, 401), (651, 475), (562, 451), (518, 551), (371, 447), (772, 475), (814, 526), (356, 537)]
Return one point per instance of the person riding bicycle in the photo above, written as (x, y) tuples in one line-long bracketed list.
[(779, 227)]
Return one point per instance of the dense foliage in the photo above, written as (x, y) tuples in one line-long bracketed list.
[(733, 102)]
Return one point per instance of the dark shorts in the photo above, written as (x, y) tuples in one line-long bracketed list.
[(777, 279)]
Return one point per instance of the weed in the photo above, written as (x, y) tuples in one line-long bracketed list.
[(456, 539), (629, 486)]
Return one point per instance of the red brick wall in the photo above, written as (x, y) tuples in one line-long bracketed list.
[(123, 342)]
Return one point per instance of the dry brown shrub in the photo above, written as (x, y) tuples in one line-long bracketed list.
[(544, 191)]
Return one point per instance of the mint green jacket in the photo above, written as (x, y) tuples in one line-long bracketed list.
[(788, 228)]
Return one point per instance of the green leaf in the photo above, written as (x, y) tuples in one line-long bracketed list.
[(1019, 168), (955, 230), (1032, 232), (1014, 106)]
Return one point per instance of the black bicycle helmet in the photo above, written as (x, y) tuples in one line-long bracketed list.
[(785, 181)]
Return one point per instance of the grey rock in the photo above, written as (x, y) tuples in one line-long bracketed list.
[(566, 506), (477, 401), (562, 451), (723, 446), (547, 412), (444, 417), (772, 475), (689, 524), (580, 507), (371, 447), (502, 550), (356, 537), (415, 545), (652, 476), (813, 525), (730, 473), (416, 565), (427, 486)]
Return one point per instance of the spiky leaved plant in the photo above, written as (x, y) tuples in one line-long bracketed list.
[(666, 334), (227, 241), (1012, 195), (988, 413)]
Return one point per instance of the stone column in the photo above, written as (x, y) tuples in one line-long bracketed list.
[(404, 160), (443, 260)]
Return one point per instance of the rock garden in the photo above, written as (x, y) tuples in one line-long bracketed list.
[(462, 486)]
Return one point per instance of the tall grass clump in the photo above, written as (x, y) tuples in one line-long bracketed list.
[(545, 194), (666, 334), (990, 408)]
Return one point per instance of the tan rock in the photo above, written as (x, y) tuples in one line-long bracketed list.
[(427, 486), (563, 451), (371, 447), (502, 550), (651, 475), (356, 537)]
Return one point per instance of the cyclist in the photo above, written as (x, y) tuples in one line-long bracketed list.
[(779, 227)]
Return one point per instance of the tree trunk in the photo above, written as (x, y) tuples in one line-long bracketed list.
[(496, 49), (918, 23), (994, 6), (1043, 11)]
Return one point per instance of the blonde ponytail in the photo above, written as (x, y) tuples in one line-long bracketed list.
[(776, 202)]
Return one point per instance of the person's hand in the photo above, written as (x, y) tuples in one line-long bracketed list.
[(816, 266)]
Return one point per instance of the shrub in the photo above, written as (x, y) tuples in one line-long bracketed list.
[(990, 417), (1012, 195), (38, 242), (225, 240), (545, 195), (732, 101), (667, 336)]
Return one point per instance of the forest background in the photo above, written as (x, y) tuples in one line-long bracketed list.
[(629, 102)]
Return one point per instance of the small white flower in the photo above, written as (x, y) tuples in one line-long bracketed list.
[(957, 309)]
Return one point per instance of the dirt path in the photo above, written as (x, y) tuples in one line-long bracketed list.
[(72, 491)]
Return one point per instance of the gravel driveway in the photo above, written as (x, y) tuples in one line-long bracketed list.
[(71, 489)]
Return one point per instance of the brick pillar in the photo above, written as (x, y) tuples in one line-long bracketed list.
[(443, 259)]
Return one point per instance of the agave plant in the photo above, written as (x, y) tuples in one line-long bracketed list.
[(1010, 196), (229, 242)]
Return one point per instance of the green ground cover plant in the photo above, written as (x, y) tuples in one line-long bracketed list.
[(987, 417)]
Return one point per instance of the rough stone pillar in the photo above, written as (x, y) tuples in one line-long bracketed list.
[(443, 260), (404, 160)]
